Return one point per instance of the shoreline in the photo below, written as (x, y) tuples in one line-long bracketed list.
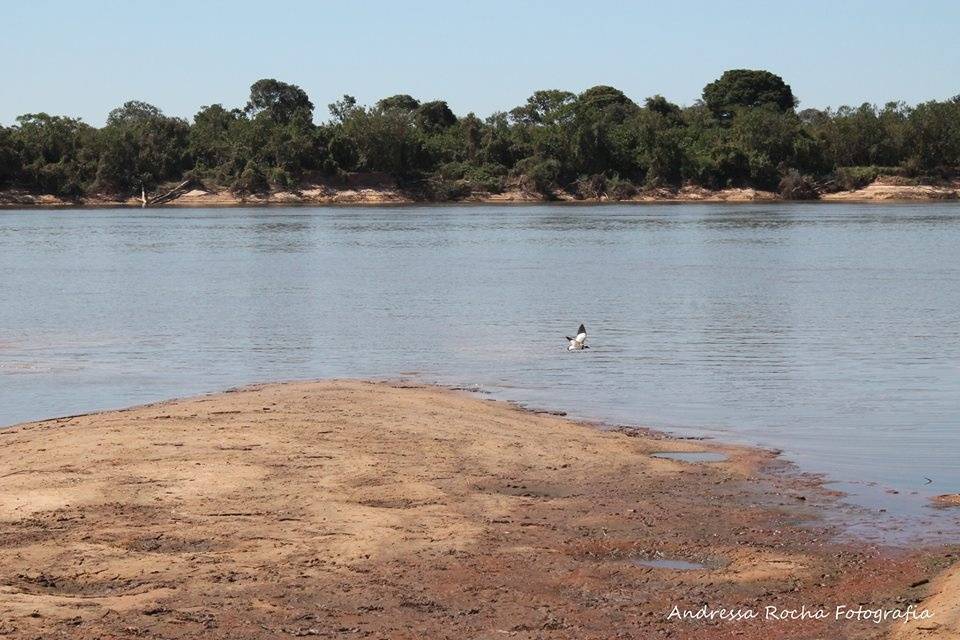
[(320, 195), (230, 513), (778, 460)]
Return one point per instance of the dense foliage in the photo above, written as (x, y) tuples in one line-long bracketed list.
[(746, 131)]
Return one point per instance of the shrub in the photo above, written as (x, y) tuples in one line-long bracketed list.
[(794, 186), (591, 187), (250, 180), (538, 174), (620, 189), (280, 177), (852, 178), (445, 190)]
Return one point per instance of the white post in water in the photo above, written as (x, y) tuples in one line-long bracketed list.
[(143, 197)]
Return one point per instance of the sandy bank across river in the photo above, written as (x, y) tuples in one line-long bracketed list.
[(390, 194), (355, 509)]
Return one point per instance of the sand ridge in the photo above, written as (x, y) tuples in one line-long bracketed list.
[(358, 509)]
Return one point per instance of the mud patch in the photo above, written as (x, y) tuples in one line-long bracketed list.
[(396, 503), (607, 549), (674, 564), (19, 538), (169, 544), (80, 585), (525, 489)]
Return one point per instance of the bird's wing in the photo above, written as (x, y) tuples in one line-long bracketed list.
[(581, 334), (569, 339)]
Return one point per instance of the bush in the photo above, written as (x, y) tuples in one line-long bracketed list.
[(485, 177), (280, 177), (446, 190), (852, 178), (250, 180), (794, 186), (620, 189), (538, 174), (591, 187)]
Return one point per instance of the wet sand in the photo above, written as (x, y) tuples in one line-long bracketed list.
[(353, 509)]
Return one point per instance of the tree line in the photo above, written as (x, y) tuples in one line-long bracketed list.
[(745, 131)]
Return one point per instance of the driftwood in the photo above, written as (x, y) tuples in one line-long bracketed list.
[(173, 194)]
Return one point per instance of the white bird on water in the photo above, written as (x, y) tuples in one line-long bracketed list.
[(577, 343)]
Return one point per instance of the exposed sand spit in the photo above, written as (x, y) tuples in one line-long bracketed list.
[(352, 509), (881, 190)]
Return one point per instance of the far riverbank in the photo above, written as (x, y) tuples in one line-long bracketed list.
[(388, 193)]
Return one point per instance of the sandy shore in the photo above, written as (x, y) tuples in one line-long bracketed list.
[(879, 191), (374, 196), (891, 191), (351, 509)]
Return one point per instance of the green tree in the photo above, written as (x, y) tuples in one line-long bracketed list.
[(342, 109), (767, 138), (55, 153), (499, 144), (140, 146), (663, 107), (9, 157), (133, 112), (548, 106), (399, 102), (279, 101), (657, 148), (933, 132), (435, 116), (381, 140), (211, 142), (600, 135), (747, 88), (602, 96), (745, 132), (862, 136)]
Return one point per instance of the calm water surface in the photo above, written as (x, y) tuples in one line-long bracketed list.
[(831, 332)]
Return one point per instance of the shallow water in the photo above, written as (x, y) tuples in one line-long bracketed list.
[(831, 332)]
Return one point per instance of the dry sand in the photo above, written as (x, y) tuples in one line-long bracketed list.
[(882, 191), (371, 192), (368, 510)]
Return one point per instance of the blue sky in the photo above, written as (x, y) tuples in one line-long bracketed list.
[(84, 58)]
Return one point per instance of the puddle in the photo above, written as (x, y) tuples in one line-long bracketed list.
[(691, 456), (670, 563)]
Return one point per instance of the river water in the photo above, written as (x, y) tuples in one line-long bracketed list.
[(831, 332)]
